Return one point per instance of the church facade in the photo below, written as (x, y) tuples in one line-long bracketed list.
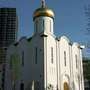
[(44, 61)]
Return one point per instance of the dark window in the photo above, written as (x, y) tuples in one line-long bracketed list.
[(22, 58), (11, 58), (36, 26), (35, 55), (43, 25), (65, 58), (51, 54), (3, 77), (22, 86), (50, 25), (76, 61)]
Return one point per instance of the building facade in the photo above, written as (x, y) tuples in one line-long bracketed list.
[(8, 34), (44, 61), (8, 29)]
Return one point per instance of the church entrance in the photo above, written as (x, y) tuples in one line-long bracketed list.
[(66, 86)]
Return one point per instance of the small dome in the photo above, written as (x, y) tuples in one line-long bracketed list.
[(43, 11)]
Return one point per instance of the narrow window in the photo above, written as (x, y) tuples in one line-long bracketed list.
[(50, 25), (51, 54), (11, 58), (3, 77), (76, 61), (43, 25), (35, 55), (22, 58), (22, 86), (65, 58), (36, 26)]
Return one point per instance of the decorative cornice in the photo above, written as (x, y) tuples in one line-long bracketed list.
[(43, 35)]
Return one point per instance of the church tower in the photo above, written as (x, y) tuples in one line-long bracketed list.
[(43, 18)]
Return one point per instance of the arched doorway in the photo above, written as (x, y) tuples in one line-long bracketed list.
[(66, 86)]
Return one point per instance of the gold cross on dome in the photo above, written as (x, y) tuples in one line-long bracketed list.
[(43, 3)]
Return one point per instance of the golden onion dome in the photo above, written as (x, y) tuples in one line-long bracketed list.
[(43, 11)]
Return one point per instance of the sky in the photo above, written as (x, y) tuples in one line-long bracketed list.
[(70, 19)]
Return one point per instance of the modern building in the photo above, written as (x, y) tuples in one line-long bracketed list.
[(86, 71), (44, 61), (8, 35), (8, 29)]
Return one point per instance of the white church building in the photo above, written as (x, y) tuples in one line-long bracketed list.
[(44, 61)]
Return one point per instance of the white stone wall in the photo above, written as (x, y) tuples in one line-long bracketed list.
[(64, 69), (77, 71), (50, 67), (45, 72), (38, 68)]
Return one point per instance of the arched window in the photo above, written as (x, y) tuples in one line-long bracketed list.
[(65, 58), (36, 55), (43, 25), (52, 55), (76, 61), (36, 26), (50, 26), (22, 58)]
